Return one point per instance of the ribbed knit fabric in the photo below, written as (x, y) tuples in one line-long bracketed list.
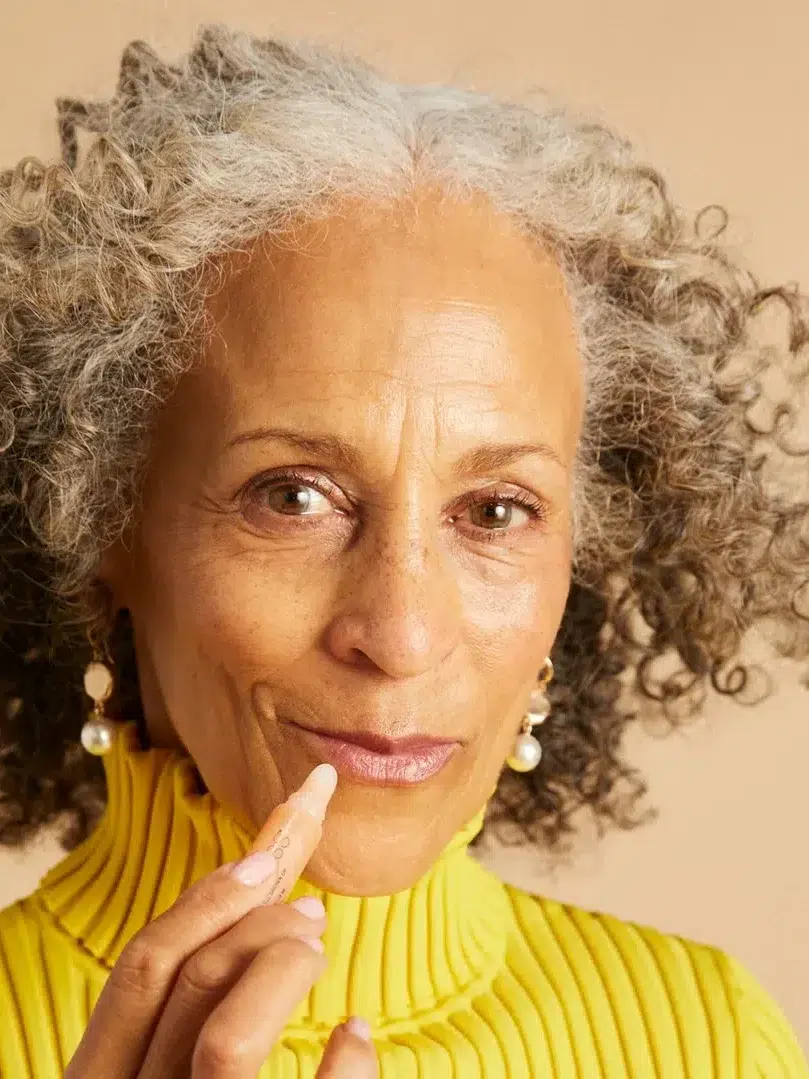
[(460, 975)]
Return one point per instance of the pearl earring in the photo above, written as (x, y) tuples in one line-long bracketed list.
[(527, 752), (98, 733)]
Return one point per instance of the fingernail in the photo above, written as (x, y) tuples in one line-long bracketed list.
[(315, 943), (309, 906), (255, 868), (359, 1027)]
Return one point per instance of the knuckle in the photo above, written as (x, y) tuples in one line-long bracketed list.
[(219, 1050), (142, 966), (209, 902), (205, 971)]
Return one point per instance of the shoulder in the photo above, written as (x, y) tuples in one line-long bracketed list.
[(20, 932), (773, 1041), (687, 1001), (20, 958), (46, 988)]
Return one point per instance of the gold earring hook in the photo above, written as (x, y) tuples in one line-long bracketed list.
[(546, 674)]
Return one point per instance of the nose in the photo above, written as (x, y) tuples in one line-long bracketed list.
[(402, 607)]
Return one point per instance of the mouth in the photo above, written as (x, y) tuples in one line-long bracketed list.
[(372, 758)]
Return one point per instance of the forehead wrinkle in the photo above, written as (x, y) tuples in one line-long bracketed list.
[(422, 386), (379, 411), (437, 335)]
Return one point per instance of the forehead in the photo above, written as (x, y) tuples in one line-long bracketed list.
[(431, 296)]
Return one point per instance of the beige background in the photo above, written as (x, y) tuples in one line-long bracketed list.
[(717, 94)]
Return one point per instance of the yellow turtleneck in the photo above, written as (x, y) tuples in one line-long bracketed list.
[(460, 976)]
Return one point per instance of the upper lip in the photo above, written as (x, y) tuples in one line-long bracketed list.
[(378, 743)]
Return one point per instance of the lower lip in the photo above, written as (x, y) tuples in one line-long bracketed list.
[(402, 769)]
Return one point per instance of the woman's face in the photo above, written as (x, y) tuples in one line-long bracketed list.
[(329, 540)]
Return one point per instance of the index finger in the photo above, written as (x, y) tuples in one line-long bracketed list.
[(117, 1037)]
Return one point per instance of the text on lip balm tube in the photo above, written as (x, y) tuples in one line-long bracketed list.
[(279, 844)]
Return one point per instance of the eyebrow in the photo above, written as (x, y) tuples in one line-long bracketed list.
[(485, 458)]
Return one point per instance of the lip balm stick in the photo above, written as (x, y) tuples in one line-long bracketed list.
[(293, 829)]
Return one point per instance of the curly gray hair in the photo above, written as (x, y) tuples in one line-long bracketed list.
[(106, 259)]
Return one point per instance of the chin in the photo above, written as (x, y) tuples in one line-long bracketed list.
[(363, 861)]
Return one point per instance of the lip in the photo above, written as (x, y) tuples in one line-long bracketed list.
[(372, 758)]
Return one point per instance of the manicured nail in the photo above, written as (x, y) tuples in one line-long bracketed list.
[(309, 906), (359, 1027), (255, 868), (315, 943)]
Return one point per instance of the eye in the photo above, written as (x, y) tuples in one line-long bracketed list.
[(290, 495), (495, 515), (294, 499), (501, 512)]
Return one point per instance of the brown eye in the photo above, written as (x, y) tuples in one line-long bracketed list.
[(295, 500), (494, 515)]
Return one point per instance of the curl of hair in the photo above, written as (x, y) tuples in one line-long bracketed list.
[(683, 538)]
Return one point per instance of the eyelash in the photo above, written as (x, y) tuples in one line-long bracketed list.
[(536, 507)]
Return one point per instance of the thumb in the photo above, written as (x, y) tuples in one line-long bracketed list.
[(349, 1053)]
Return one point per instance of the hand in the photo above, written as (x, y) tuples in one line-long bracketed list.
[(205, 990)]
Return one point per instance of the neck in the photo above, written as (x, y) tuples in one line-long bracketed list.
[(396, 956)]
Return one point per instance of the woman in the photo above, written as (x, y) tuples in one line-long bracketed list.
[(338, 417)]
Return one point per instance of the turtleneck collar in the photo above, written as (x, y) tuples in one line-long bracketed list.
[(419, 952)]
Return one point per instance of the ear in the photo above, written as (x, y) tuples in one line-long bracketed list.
[(114, 574)]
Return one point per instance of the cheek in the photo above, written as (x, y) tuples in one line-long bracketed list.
[(219, 608), (519, 617), (514, 630), (250, 616)]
